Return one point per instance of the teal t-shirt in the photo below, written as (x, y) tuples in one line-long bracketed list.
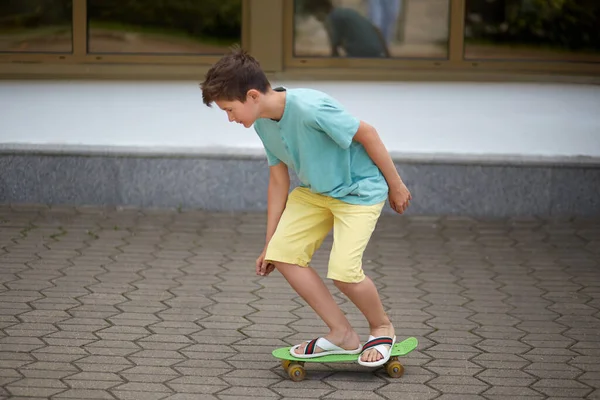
[(314, 138)]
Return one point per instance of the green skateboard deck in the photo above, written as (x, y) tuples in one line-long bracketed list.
[(295, 366)]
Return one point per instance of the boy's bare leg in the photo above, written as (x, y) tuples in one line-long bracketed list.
[(309, 285), (365, 297)]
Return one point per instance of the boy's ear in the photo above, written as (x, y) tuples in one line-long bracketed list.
[(252, 94)]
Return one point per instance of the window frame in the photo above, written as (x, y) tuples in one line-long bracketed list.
[(80, 55), (454, 63), (272, 44)]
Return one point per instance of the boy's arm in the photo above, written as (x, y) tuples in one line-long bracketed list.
[(279, 186), (369, 138), (343, 128)]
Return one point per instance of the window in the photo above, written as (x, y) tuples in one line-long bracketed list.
[(374, 39), (371, 28), (36, 26), (188, 27), (550, 30)]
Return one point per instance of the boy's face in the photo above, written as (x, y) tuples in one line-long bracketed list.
[(242, 113)]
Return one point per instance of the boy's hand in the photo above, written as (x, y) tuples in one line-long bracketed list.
[(263, 268), (399, 197)]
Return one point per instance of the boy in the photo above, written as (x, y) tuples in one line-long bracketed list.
[(349, 30), (343, 167)]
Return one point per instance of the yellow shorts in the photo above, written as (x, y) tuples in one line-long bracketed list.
[(307, 219)]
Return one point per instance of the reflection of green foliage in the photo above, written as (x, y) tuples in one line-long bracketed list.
[(24, 33), (220, 19), (20, 14), (205, 18), (570, 24), (114, 27)]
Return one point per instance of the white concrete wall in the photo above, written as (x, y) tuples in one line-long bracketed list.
[(434, 118)]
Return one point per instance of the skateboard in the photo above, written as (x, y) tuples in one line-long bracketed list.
[(295, 366)]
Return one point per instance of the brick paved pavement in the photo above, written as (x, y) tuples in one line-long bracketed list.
[(129, 304)]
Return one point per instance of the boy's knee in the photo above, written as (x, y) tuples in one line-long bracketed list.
[(341, 285), (346, 283), (345, 271)]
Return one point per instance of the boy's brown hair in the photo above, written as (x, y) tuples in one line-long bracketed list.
[(232, 76)]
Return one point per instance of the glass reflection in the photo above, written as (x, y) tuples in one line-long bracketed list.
[(371, 28)]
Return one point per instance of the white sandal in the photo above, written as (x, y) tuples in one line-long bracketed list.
[(380, 344), (327, 347)]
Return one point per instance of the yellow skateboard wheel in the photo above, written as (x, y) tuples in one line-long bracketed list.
[(296, 372)]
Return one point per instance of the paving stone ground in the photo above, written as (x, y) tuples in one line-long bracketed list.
[(164, 304)]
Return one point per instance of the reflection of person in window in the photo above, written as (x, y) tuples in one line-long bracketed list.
[(384, 14), (348, 30)]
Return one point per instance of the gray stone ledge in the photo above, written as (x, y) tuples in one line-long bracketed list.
[(237, 184), (258, 154)]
